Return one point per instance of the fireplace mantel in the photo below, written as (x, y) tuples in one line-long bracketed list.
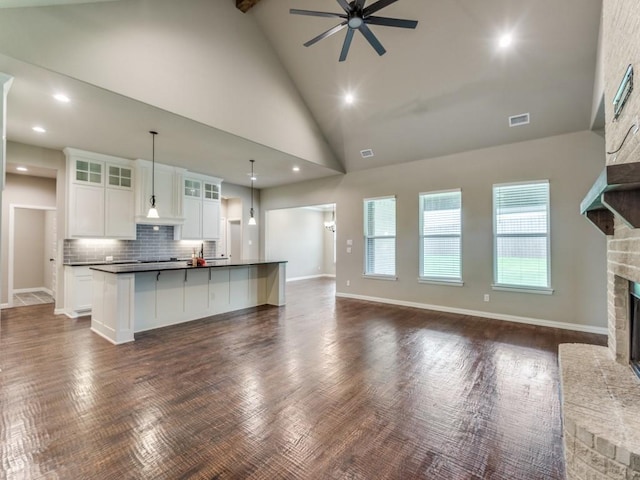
[(615, 192)]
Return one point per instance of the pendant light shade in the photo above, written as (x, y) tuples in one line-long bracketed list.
[(252, 220), (153, 211)]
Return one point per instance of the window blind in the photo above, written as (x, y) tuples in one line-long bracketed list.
[(380, 236), (441, 232), (521, 225)]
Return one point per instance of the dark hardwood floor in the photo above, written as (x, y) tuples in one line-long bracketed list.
[(322, 388)]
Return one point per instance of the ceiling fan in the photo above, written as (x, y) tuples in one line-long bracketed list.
[(356, 17)]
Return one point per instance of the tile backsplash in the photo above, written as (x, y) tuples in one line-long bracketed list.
[(150, 244)]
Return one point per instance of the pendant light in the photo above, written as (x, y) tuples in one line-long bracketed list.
[(153, 211), (252, 220), (331, 226)]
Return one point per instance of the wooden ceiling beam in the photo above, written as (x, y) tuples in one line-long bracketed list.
[(245, 5)]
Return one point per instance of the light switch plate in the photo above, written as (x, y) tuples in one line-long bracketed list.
[(349, 242)]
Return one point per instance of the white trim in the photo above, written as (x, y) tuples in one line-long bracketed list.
[(373, 276), (4, 305), (308, 277), (59, 311), (107, 338), (12, 212), (433, 281), (516, 289), (477, 313)]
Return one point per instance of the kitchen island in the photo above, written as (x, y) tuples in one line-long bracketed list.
[(134, 297)]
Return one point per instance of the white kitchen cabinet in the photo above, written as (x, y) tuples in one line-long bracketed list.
[(201, 203), (168, 192), (196, 292), (77, 290), (100, 196)]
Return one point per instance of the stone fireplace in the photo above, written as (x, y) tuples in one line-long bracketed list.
[(600, 392)]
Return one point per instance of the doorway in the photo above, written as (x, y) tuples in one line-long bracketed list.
[(32, 276), (305, 237), (234, 238)]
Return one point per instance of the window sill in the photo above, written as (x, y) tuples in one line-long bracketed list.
[(516, 289), (440, 281), (371, 276)]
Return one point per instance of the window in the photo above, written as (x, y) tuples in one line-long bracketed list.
[(380, 236), (521, 236), (440, 236)]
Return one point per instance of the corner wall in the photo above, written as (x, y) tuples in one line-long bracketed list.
[(578, 270)]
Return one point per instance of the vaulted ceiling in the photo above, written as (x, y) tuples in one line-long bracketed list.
[(224, 86)]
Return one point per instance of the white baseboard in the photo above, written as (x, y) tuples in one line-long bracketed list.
[(4, 305), (30, 290), (322, 275), (477, 313), (59, 311)]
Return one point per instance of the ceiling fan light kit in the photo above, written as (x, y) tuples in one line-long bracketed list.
[(357, 17)]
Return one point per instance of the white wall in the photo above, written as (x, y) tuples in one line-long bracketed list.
[(22, 190), (329, 265), (571, 163), (238, 204), (298, 236)]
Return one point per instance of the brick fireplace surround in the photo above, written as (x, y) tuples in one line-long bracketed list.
[(600, 392)]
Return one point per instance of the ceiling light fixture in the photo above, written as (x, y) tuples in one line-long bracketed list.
[(252, 220), (153, 211), (38, 129), (349, 99), (296, 169), (62, 98), (505, 40), (22, 169)]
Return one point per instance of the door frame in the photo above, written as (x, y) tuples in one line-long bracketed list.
[(12, 213), (237, 220)]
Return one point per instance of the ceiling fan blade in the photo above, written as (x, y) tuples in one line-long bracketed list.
[(359, 4), (313, 13), (346, 45), (368, 34), (391, 22), (345, 5), (374, 7), (326, 34)]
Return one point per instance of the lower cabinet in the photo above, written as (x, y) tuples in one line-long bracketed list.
[(77, 290)]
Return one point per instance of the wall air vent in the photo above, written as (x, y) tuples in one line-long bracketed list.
[(517, 120), (368, 153)]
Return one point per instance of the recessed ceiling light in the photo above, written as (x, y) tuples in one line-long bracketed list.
[(22, 169), (61, 97), (505, 40), (296, 169), (349, 99), (38, 129), (254, 178)]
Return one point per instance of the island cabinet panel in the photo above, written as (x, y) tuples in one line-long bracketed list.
[(170, 296), (219, 290), (145, 308), (196, 293), (134, 298)]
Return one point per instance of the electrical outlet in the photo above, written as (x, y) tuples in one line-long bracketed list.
[(348, 249), (348, 283), (486, 297), (108, 258)]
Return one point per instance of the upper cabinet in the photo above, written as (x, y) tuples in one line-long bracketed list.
[(168, 191), (100, 198), (201, 203)]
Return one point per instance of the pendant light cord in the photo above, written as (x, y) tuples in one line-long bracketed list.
[(153, 168)]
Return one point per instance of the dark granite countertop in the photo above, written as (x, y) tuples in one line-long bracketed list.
[(179, 265)]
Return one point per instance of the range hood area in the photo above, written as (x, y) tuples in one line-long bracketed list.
[(616, 193)]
